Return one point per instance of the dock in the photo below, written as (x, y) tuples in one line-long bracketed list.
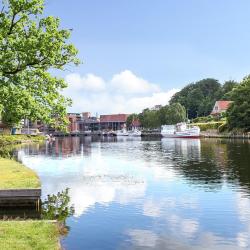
[(20, 198)]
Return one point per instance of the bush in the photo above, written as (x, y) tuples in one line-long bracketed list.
[(223, 127), (209, 125)]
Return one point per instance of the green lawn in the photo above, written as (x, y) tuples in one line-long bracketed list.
[(29, 235), (16, 139), (14, 175)]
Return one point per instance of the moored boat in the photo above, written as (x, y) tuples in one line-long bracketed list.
[(180, 130), (134, 132), (122, 132)]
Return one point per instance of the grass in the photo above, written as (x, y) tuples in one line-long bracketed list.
[(29, 235), (16, 139), (14, 175)]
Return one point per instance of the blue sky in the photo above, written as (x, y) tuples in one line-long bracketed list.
[(165, 43)]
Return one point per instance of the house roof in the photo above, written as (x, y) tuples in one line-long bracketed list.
[(221, 106), (114, 118)]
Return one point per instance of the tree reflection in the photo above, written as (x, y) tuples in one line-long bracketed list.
[(57, 207)]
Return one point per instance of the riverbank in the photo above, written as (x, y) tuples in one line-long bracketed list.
[(29, 234), (216, 134), (20, 186), (14, 175), (7, 140)]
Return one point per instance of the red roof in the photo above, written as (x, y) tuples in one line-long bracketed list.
[(223, 104), (114, 118), (220, 106)]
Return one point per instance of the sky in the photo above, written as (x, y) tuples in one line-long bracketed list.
[(137, 53)]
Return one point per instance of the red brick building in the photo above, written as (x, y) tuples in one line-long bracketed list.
[(73, 121)]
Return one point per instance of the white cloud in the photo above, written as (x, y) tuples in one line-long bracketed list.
[(127, 82), (89, 82), (143, 238), (124, 93)]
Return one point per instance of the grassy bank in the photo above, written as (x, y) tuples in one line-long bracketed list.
[(28, 235), (6, 140), (14, 175)]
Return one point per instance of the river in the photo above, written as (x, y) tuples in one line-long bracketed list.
[(149, 194)]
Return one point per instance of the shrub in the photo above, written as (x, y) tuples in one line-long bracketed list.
[(209, 125)]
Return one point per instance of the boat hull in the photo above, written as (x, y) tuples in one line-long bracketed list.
[(193, 132), (181, 136)]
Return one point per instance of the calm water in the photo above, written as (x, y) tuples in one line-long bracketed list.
[(137, 194)]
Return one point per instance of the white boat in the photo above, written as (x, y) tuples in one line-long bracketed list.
[(134, 132), (122, 132), (180, 130)]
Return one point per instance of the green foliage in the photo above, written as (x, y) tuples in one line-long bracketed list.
[(16, 139), (210, 118), (169, 114), (227, 88), (199, 98), (30, 46), (209, 125), (238, 114), (57, 207), (149, 119), (174, 113), (223, 127)]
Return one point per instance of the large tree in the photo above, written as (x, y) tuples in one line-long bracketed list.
[(226, 89), (169, 114), (149, 119), (31, 47), (198, 98), (175, 113), (239, 111)]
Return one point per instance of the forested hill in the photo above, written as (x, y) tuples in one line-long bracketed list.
[(199, 98)]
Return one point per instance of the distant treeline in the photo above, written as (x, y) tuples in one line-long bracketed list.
[(197, 100)]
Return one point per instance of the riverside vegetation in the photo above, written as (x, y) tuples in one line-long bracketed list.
[(195, 103)]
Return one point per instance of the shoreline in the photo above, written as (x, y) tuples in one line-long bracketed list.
[(203, 134), (21, 187)]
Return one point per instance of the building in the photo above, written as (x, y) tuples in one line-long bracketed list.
[(80, 122), (113, 122), (220, 107), (74, 119), (89, 124)]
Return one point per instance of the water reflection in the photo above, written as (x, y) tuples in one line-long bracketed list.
[(143, 194)]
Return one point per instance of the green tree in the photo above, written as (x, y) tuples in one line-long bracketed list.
[(169, 114), (175, 113), (198, 98), (30, 47), (238, 114), (149, 119), (227, 88)]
